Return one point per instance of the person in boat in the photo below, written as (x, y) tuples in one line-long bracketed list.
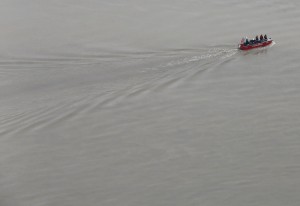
[(252, 41), (256, 38), (261, 37), (246, 42), (265, 37)]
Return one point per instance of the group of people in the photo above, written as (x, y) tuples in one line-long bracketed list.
[(246, 42)]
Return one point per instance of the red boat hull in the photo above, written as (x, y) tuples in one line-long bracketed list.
[(257, 45)]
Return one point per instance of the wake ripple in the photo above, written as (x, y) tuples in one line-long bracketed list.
[(175, 69)]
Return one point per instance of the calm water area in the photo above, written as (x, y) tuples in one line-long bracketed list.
[(149, 103)]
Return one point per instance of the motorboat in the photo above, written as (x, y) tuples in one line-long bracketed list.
[(255, 44)]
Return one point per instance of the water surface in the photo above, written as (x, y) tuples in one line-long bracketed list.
[(148, 103)]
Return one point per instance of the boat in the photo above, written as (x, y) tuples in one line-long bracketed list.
[(255, 44)]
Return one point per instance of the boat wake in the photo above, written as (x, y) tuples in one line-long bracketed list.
[(169, 70), (210, 54)]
